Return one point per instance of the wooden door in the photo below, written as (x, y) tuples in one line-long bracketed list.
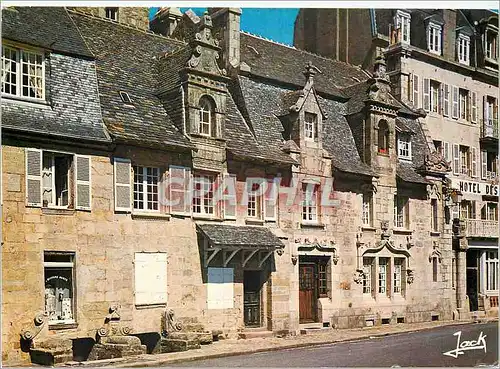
[(307, 293), (251, 299)]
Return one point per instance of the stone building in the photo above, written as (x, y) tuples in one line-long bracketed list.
[(444, 62), (124, 151)]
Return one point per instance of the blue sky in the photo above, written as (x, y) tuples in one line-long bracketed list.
[(275, 24)]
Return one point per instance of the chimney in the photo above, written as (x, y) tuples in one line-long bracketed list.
[(165, 21), (226, 22)]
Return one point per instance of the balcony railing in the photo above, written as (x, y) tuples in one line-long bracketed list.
[(489, 128), (482, 228)]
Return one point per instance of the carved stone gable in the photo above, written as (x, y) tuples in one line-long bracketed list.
[(206, 50), (434, 163)]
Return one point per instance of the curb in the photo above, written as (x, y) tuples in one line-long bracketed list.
[(156, 363)]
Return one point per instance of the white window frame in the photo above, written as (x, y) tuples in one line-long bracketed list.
[(310, 203), (434, 38), (206, 200), (463, 49), (113, 13), (71, 189), (205, 118), (19, 62), (491, 271), (490, 50), (401, 212), (368, 263), (143, 171), (463, 104), (397, 281), (310, 126), (465, 160), (435, 96), (382, 274), (403, 21), (254, 203), (404, 147), (58, 265), (367, 204)]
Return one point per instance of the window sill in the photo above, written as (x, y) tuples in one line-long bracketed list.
[(150, 306), (405, 160), (207, 218), (368, 228), (254, 221), (32, 101), (402, 231), (312, 225), (435, 233), (383, 153), (61, 326), (58, 211), (158, 216)]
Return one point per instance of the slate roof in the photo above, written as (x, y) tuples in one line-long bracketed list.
[(47, 27), (243, 236), (127, 61), (264, 101), (285, 64)]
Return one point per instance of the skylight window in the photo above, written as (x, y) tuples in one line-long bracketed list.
[(125, 98)]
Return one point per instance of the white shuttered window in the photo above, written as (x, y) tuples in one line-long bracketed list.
[(122, 179), (150, 278), (220, 289)]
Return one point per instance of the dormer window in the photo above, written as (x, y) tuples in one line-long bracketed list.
[(491, 44), (383, 138), (23, 73), (402, 23), (434, 33), (111, 13), (404, 147), (310, 126), (463, 49), (206, 117)]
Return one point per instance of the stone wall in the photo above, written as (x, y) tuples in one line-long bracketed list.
[(132, 16)]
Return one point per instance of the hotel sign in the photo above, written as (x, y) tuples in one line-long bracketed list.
[(475, 188)]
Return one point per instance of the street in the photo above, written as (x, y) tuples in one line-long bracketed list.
[(424, 348)]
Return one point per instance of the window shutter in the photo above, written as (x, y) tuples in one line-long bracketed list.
[(123, 179), (82, 181), (446, 100), (456, 159), (441, 99), (484, 163), (229, 204), (426, 99), (180, 190), (446, 153), (474, 107), (474, 161), (415, 91), (329, 278), (485, 109), (33, 177), (495, 109), (271, 200), (454, 110), (468, 107), (403, 277)]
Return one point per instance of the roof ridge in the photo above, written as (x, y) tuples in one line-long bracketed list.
[(146, 31), (301, 50)]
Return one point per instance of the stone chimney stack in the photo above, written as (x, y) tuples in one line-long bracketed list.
[(165, 21), (226, 22)]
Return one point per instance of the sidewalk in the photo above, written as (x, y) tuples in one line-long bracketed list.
[(236, 347)]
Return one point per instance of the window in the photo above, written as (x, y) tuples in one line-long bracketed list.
[(382, 275), (434, 38), (463, 106), (434, 208), (489, 211), (489, 165), (146, 188), (468, 209), (59, 287), (490, 111), (368, 264), (435, 262), (367, 209), (254, 204), (323, 279), (404, 146), (397, 275), (402, 23), (23, 73), (383, 137), (401, 212), (491, 46), (310, 126), (465, 160), (220, 289), (125, 97), (310, 202), (150, 278), (435, 95), (206, 118), (491, 270), (56, 170), (463, 48), (111, 13), (203, 194), (416, 91)]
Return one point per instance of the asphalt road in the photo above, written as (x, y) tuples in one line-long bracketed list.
[(423, 348)]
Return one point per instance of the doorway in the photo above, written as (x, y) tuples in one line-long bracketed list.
[(472, 279), (307, 292), (252, 285)]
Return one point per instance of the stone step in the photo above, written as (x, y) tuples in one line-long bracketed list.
[(315, 330), (254, 333)]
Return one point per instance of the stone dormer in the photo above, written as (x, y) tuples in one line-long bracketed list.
[(131, 16), (165, 21)]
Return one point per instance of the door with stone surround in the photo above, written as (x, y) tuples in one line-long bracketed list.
[(251, 298), (307, 292)]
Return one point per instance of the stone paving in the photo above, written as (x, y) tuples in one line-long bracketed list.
[(235, 347)]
